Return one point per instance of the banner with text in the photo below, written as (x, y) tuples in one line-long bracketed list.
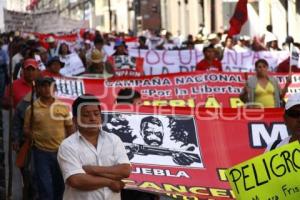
[(184, 153), (198, 89), (273, 175), (73, 65), (166, 61), (181, 151)]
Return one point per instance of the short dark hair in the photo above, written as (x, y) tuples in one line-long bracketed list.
[(208, 47), (142, 38), (127, 95), (263, 61), (269, 28), (98, 41), (152, 120), (84, 100)]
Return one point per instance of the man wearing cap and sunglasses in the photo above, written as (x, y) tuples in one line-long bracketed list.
[(292, 121)]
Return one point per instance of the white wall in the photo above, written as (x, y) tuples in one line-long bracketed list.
[(294, 21), (120, 7), (180, 20)]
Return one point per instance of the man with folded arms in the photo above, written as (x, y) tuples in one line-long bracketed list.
[(93, 162)]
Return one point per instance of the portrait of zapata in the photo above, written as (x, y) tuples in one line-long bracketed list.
[(157, 139)]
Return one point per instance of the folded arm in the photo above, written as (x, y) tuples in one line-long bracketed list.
[(116, 172), (87, 182)]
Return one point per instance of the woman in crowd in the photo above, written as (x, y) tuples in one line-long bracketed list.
[(263, 90), (63, 51)]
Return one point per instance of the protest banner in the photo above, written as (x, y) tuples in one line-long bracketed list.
[(125, 65), (43, 22), (198, 89), (73, 65), (166, 61), (273, 175), (192, 149), (41, 64), (20, 21), (294, 57), (197, 145), (174, 61)]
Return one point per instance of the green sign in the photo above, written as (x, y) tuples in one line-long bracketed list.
[(274, 175)]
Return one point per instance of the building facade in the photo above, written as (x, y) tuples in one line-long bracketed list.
[(180, 17), (183, 17), (125, 15), (2, 6)]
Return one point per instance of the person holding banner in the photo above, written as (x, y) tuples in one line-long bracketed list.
[(263, 90), (53, 68), (210, 61), (120, 48), (98, 66), (63, 51), (52, 47), (292, 121)]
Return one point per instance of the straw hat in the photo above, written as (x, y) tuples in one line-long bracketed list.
[(50, 39), (97, 56), (212, 36)]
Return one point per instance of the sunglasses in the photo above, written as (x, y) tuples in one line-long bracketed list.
[(293, 113)]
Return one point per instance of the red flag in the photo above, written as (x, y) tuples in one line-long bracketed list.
[(239, 18)]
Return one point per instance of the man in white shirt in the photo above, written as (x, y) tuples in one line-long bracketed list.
[(292, 122), (93, 162)]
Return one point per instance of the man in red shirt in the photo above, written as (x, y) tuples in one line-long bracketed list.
[(210, 61), (23, 85), (53, 68)]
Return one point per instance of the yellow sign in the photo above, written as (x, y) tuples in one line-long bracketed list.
[(274, 175)]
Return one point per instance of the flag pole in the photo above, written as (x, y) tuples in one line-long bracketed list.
[(291, 57)]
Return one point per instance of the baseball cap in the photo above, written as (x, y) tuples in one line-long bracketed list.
[(44, 80), (55, 59), (31, 63), (293, 100), (119, 43)]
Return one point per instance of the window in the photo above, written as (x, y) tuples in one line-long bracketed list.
[(298, 6)]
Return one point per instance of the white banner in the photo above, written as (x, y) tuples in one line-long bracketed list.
[(294, 58), (73, 65), (44, 22), (166, 61), (41, 64), (244, 61), (18, 21)]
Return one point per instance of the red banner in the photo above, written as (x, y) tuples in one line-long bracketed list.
[(191, 149), (125, 65), (198, 89), (187, 150)]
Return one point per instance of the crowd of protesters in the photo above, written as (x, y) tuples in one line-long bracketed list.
[(97, 62), (19, 52)]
